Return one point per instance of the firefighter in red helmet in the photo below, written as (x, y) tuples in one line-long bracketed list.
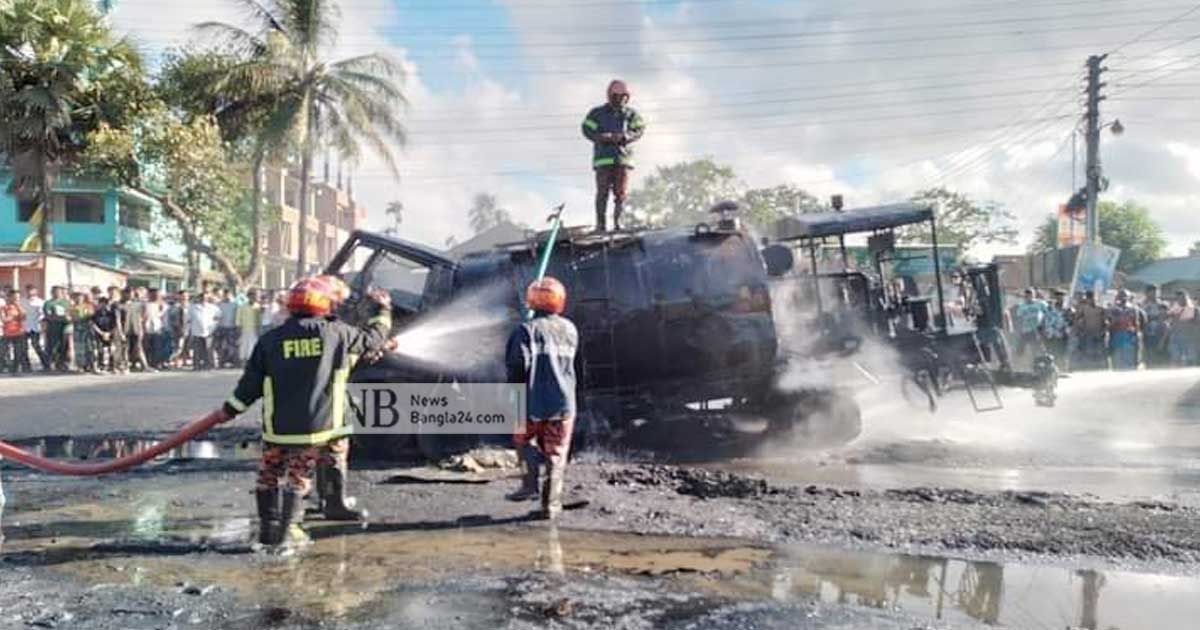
[(299, 369), (541, 354), (612, 128)]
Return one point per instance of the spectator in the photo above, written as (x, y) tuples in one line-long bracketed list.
[(227, 330), (1183, 335), (203, 320), (1028, 317), (1056, 328), (120, 358), (105, 322), (279, 312), (157, 346), (1090, 329), (13, 346), (57, 311), (135, 328), (1155, 335), (81, 321), (178, 325), (249, 322), (32, 305), (1125, 324)]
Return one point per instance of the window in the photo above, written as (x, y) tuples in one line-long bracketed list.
[(285, 242), (25, 208), (83, 209), (136, 216)]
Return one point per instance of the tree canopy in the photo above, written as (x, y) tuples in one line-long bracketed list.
[(682, 193), (1127, 226), (486, 213), (962, 221)]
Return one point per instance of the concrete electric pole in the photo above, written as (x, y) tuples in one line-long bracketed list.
[(1092, 167)]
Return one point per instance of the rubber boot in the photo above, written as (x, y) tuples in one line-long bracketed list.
[(552, 490), (335, 505), (269, 530), (530, 465), (293, 537), (618, 208)]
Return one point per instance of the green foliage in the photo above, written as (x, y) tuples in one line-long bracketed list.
[(486, 213), (185, 164), (682, 193), (1127, 226), (962, 221), (762, 207), (63, 73)]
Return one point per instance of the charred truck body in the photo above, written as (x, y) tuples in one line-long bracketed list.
[(670, 320)]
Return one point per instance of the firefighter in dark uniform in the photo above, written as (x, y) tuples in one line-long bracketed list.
[(541, 354), (300, 369), (612, 128)]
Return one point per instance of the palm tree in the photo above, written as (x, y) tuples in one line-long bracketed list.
[(59, 66), (344, 105), (486, 213)]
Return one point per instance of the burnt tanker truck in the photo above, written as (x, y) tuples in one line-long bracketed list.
[(673, 322)]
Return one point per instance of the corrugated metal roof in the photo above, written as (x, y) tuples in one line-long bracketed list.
[(1167, 270)]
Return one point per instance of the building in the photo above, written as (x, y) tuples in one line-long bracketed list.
[(500, 234), (1170, 275), (21, 269), (91, 220), (335, 214)]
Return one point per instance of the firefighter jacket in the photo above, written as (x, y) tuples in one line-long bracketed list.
[(609, 119), (541, 354), (300, 370)]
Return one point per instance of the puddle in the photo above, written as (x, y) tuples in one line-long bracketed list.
[(83, 449), (355, 573)]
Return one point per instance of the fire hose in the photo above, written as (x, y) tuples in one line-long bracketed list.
[(191, 431)]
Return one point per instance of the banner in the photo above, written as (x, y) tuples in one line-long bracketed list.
[(1094, 269), (1072, 226)]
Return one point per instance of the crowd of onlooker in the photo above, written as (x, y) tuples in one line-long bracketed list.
[(132, 328), (1121, 334)]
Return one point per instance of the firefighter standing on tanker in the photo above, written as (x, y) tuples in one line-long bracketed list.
[(611, 128), (300, 369), (541, 354)]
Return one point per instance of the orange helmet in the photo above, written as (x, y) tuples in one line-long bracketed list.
[(617, 86), (547, 295), (316, 296)]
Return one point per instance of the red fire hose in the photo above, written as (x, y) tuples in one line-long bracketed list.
[(8, 451)]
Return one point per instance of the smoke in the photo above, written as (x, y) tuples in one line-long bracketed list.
[(466, 334)]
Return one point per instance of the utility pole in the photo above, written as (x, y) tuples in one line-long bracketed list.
[(1092, 166)]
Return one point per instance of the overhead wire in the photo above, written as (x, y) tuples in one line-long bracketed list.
[(1170, 22)]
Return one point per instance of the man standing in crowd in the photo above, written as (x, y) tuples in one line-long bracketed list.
[(1056, 329), (1029, 317), (541, 354), (227, 331), (135, 327), (1090, 328), (14, 348), (177, 322), (81, 322), (1154, 337), (1184, 332), (155, 315), (202, 321), (57, 311), (32, 305), (612, 128), (117, 339), (249, 322), (1125, 324), (104, 329)]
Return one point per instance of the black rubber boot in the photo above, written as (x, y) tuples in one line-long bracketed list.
[(269, 530), (335, 505), (530, 465), (618, 208), (293, 537)]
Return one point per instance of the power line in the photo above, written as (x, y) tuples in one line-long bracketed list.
[(1155, 29)]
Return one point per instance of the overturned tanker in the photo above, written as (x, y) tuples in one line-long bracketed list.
[(674, 323)]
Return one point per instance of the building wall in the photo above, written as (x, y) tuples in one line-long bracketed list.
[(334, 214)]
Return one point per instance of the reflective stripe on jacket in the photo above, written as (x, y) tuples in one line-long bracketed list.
[(608, 119), (541, 354), (300, 370)]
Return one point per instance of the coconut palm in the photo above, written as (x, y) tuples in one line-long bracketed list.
[(394, 210), (345, 105), (62, 72)]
